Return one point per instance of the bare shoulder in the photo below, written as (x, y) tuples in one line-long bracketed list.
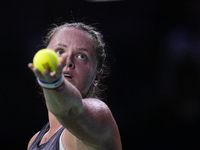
[(102, 114), (96, 104), (94, 126), (97, 109), (32, 139)]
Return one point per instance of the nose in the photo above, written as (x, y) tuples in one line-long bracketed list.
[(69, 62), (71, 65)]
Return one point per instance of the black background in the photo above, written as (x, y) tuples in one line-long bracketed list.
[(153, 88)]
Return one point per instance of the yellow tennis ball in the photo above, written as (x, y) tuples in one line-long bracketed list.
[(45, 59)]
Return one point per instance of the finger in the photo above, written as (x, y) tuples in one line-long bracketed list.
[(59, 69), (35, 71), (62, 59), (47, 75), (30, 65)]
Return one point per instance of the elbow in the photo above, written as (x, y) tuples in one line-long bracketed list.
[(65, 107), (68, 117)]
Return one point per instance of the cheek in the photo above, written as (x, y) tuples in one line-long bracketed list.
[(84, 81), (86, 75), (86, 71), (87, 67)]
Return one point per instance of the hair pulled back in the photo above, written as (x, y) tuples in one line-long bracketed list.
[(99, 46)]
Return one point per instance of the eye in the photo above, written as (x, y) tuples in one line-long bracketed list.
[(82, 56), (59, 52)]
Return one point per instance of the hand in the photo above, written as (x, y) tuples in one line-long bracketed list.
[(47, 76)]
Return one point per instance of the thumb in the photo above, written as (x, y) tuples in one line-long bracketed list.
[(62, 59)]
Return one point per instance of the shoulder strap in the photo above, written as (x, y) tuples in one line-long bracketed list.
[(39, 137)]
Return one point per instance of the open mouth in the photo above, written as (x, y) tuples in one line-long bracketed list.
[(67, 76)]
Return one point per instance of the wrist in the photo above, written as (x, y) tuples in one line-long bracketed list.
[(57, 85)]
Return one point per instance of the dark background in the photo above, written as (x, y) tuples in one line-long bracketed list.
[(154, 81)]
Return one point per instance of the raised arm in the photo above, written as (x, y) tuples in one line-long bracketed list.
[(90, 120)]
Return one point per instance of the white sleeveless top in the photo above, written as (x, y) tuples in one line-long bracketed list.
[(61, 147)]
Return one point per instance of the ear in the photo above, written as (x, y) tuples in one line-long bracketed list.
[(97, 78)]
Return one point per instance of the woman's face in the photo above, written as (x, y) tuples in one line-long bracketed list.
[(81, 61)]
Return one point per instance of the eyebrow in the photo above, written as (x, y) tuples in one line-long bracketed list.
[(81, 49), (59, 44), (84, 49)]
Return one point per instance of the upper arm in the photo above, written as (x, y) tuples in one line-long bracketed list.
[(103, 125), (95, 125), (32, 139)]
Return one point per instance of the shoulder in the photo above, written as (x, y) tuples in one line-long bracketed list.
[(95, 103), (96, 106), (102, 115), (32, 139)]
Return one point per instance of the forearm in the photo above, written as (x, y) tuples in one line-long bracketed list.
[(62, 101)]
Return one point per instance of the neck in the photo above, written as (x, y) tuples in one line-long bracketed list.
[(89, 93), (54, 127), (53, 122)]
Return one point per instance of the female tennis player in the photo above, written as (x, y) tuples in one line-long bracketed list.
[(78, 120)]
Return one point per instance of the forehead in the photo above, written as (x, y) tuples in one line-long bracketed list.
[(73, 36)]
